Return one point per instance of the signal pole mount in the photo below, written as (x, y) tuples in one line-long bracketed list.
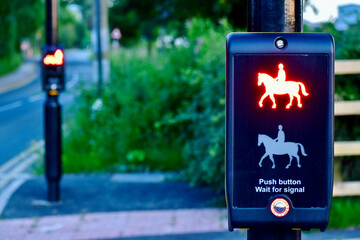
[(99, 48), (274, 16), (51, 22), (53, 83)]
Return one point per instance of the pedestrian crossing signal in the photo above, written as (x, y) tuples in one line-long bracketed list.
[(53, 72), (279, 129), (54, 59)]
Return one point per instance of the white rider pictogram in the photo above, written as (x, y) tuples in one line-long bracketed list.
[(280, 86), (278, 146), (281, 135), (281, 74)]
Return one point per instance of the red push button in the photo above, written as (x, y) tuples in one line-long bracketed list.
[(280, 207)]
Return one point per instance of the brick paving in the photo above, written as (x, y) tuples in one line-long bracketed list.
[(178, 224), (115, 224)]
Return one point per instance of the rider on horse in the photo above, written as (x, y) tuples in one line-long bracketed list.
[(281, 135), (281, 74)]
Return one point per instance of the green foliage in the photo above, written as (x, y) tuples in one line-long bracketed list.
[(135, 18), (138, 18), (19, 19), (162, 112), (347, 88), (204, 115), (7, 29), (115, 134), (347, 42), (347, 128), (72, 32), (17, 22), (344, 212), (68, 35), (9, 64), (30, 16)]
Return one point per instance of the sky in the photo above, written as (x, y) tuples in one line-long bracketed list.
[(327, 9)]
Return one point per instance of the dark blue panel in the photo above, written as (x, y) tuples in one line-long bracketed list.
[(306, 134)]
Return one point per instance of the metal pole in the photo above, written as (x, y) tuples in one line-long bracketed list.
[(274, 16), (52, 114), (273, 234), (53, 168), (51, 22), (99, 50)]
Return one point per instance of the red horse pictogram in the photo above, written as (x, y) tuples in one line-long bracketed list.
[(56, 59), (279, 86)]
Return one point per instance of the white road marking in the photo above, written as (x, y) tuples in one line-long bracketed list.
[(7, 192), (10, 106), (12, 173), (5, 167), (73, 81), (36, 98), (345, 239), (51, 228), (141, 177), (18, 169)]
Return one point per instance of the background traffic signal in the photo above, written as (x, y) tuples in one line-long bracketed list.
[(53, 68)]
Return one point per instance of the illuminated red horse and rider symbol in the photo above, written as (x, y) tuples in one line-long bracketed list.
[(56, 59), (280, 86)]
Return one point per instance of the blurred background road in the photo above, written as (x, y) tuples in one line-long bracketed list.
[(21, 109)]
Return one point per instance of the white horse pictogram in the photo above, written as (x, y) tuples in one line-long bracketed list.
[(273, 87), (278, 148)]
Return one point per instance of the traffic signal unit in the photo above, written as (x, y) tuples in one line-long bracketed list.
[(279, 129), (53, 68)]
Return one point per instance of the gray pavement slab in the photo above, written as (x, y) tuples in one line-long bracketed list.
[(127, 207), (141, 225), (237, 235), (105, 193), (350, 234)]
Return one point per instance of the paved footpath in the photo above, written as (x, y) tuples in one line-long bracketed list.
[(123, 206), (116, 224), (112, 206), (26, 73), (187, 224)]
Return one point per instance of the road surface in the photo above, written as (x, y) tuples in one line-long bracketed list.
[(21, 110)]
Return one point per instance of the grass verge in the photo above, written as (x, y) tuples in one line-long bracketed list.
[(345, 212), (9, 64)]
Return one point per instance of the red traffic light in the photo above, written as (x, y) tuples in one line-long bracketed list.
[(54, 59), (279, 86)]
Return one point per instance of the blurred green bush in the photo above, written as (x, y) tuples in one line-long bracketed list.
[(347, 87), (161, 112), (10, 63), (344, 212)]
